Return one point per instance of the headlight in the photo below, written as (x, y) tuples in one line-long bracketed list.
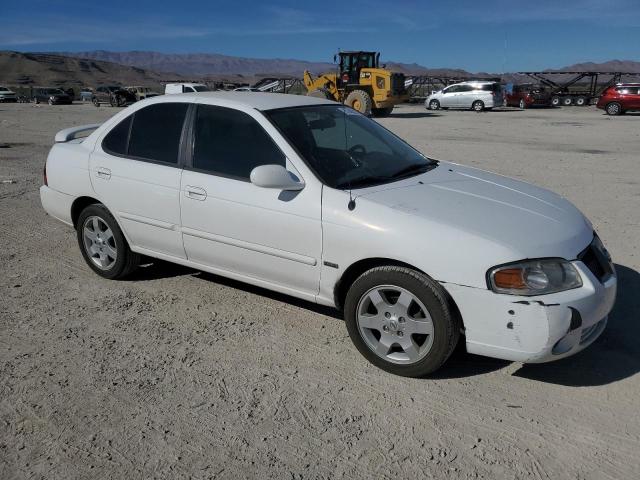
[(534, 277)]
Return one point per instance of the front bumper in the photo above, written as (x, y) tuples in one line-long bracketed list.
[(535, 329)]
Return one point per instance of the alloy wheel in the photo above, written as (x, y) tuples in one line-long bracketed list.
[(395, 324), (99, 243)]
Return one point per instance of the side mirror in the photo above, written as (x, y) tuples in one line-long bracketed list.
[(275, 176)]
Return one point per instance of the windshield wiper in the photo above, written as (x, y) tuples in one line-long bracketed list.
[(414, 169), (364, 181)]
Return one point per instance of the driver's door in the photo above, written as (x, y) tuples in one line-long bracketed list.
[(234, 226), (448, 97)]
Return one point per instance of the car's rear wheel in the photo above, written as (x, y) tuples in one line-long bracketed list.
[(478, 105), (399, 319), (434, 105), (614, 108), (95, 101), (103, 245), (522, 104)]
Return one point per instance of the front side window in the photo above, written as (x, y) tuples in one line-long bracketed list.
[(346, 149), (231, 143)]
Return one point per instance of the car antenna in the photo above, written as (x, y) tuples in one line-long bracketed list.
[(352, 201)]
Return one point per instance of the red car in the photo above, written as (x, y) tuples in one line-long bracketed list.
[(620, 98), (527, 95)]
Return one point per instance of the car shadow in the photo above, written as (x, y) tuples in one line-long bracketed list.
[(415, 115), (154, 269), (612, 357)]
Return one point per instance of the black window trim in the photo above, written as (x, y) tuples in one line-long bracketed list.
[(182, 147), (190, 147)]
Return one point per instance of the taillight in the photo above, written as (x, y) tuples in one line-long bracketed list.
[(44, 175)]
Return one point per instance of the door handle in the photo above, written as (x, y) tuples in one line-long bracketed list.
[(195, 193), (103, 173)]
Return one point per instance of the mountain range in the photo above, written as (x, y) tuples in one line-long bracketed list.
[(151, 68)]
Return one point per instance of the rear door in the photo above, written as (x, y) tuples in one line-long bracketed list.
[(136, 170), (228, 223)]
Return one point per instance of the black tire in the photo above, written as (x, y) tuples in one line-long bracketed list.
[(477, 106), (567, 101), (360, 101), (381, 112), (126, 261), (95, 101), (555, 101), (446, 328), (522, 104), (434, 105), (320, 93), (613, 108), (581, 101)]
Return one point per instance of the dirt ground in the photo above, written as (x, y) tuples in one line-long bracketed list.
[(179, 374)]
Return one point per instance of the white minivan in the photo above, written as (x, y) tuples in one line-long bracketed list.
[(308, 197), (476, 95), (185, 88)]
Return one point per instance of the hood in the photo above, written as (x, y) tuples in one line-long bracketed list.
[(528, 221)]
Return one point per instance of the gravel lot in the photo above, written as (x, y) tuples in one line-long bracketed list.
[(179, 374)]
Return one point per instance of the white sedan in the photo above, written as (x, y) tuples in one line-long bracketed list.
[(308, 197)]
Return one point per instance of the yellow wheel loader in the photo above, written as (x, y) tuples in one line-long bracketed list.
[(360, 83)]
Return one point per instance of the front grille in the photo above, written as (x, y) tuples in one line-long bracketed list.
[(596, 261), (397, 84)]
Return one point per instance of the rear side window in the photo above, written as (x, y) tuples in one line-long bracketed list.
[(117, 139), (156, 131), (230, 143), (494, 87)]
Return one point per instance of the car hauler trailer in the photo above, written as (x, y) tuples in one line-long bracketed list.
[(577, 88)]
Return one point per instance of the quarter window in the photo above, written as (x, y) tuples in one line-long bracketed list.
[(117, 139), (156, 131), (231, 143)]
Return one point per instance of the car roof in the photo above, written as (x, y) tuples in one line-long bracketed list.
[(257, 100)]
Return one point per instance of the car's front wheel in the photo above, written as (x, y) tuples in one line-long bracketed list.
[(400, 320), (434, 105), (103, 245)]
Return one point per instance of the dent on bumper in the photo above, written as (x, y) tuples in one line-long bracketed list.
[(534, 329)]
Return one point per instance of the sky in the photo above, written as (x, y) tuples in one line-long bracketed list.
[(480, 36)]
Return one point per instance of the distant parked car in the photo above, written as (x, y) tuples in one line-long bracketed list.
[(246, 89), (620, 98), (113, 95), (185, 88), (52, 96), (527, 95), (86, 94), (476, 95), (142, 92), (7, 95)]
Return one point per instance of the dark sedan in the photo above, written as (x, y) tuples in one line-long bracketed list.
[(52, 96)]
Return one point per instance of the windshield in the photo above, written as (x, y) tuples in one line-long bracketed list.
[(54, 91), (200, 88), (346, 149)]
